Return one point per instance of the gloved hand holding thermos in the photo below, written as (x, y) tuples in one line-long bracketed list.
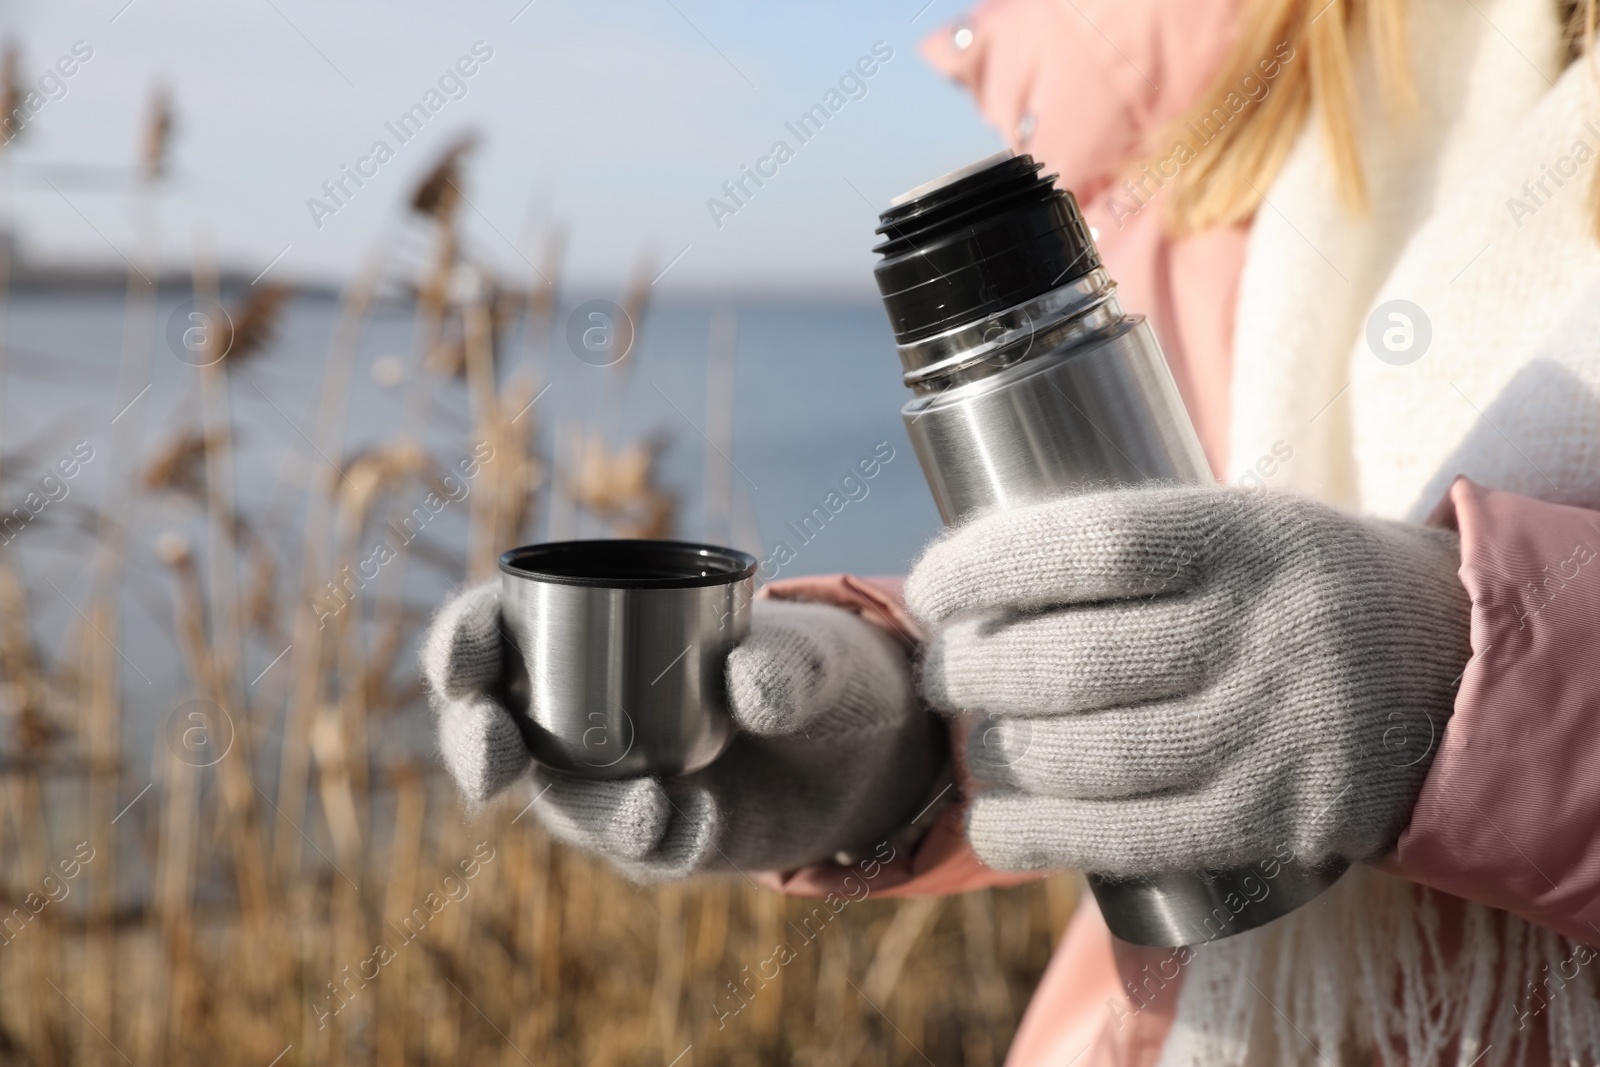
[(1213, 699)]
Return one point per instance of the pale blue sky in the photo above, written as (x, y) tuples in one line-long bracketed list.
[(618, 118)]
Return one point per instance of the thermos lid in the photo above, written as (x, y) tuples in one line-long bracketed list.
[(978, 240)]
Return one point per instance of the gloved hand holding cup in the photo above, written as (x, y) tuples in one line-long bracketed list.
[(669, 722)]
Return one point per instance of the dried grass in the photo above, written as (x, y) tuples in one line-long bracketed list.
[(306, 898)]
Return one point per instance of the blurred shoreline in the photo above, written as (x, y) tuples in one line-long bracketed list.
[(68, 276)]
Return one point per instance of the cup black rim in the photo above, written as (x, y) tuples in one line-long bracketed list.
[(733, 565)]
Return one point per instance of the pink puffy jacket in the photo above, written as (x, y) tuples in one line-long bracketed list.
[(1508, 814)]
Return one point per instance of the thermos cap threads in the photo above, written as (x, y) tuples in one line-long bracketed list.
[(977, 241)]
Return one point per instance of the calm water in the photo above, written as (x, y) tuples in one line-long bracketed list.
[(816, 390)]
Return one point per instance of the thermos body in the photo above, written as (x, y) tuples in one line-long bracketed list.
[(1030, 381), (1104, 411)]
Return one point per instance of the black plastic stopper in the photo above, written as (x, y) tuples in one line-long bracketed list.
[(979, 240)]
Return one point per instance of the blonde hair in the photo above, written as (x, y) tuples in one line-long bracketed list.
[(1226, 174)]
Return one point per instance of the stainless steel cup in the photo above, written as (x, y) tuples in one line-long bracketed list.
[(620, 648)]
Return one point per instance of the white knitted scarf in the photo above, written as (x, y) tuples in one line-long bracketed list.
[(1481, 219)]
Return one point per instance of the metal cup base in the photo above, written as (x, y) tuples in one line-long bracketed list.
[(1193, 907)]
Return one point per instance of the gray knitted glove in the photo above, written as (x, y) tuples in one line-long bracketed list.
[(1181, 678), (833, 752)]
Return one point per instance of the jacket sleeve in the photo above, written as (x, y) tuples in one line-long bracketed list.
[(1509, 814)]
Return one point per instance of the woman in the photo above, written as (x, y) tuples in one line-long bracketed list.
[(1363, 656)]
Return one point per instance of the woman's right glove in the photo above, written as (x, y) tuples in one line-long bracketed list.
[(833, 753)]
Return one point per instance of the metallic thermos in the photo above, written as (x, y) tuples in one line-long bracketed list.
[(1030, 381)]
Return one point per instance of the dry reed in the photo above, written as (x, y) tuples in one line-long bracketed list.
[(290, 882)]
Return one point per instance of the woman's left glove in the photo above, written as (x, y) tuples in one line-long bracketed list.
[(1179, 678), (832, 758)]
